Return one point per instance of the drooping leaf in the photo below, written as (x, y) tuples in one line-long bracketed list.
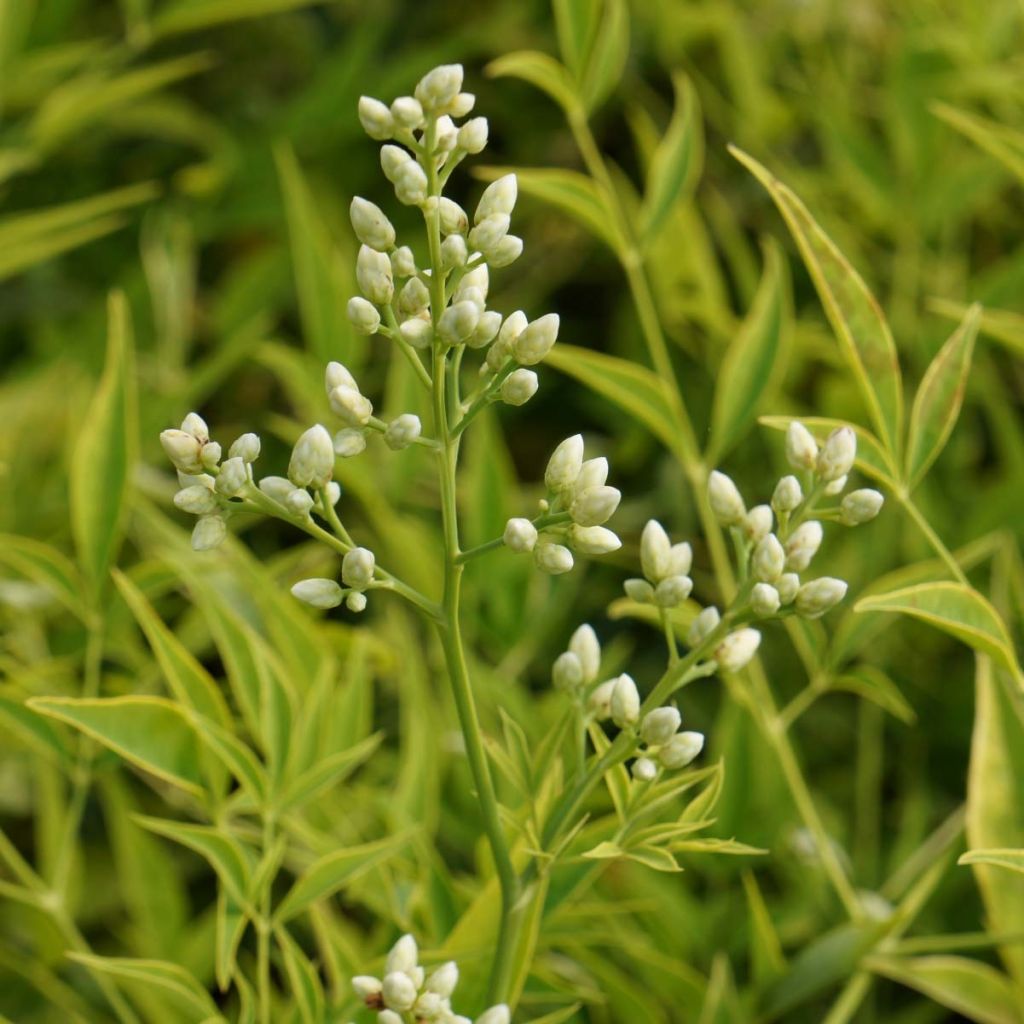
[(539, 70), (1010, 859), (30, 727), (871, 683)]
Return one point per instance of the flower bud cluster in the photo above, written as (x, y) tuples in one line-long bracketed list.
[(357, 573), (406, 992), (666, 569), (663, 745)]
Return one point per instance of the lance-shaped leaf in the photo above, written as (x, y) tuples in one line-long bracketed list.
[(1011, 859), (302, 977), (539, 70), (231, 923), (855, 315), (328, 771), (45, 565), (1004, 143), (938, 399), (607, 57)]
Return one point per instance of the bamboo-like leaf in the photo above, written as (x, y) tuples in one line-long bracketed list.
[(752, 360), (335, 870), (46, 566), (938, 399), (194, 15), (539, 70), (230, 929), (104, 452), (954, 608), (768, 961), (974, 989), (676, 163), (856, 317), (1002, 325), (1011, 859), (1004, 143), (37, 731), (558, 1016), (576, 23), (328, 771), (607, 56), (150, 732), (871, 683), (302, 977)]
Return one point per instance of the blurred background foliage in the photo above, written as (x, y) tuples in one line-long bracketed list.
[(200, 156)]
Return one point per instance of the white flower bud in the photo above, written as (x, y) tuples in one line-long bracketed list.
[(439, 87), (349, 442), (595, 505), (407, 111), (861, 506), (537, 340), (389, 1017), (565, 464), (208, 533), (506, 252), (837, 486), (625, 704), (473, 135), (584, 644), (399, 992), (639, 590), (600, 701), (554, 559), (371, 225), (357, 567), (803, 545), (182, 449), (404, 955), (375, 118), (336, 375), (351, 406), (299, 502), (454, 252), (655, 551), (518, 387), (705, 623), (593, 540), (403, 263), (769, 559), (477, 280), (681, 749), (764, 600), (366, 987), (403, 431), (356, 601), (417, 332), (644, 769), (447, 135), (660, 725), (787, 586), (196, 500), (726, 501), (837, 454), (490, 231), (672, 591), (680, 559), (567, 672), (788, 495), (209, 454), (758, 522), (801, 448), (333, 493), (373, 275), (818, 596), (233, 477), (414, 297), (462, 104), (443, 980), (593, 473), (363, 315), (319, 593), (194, 479), (246, 448), (499, 1014), (458, 322), (454, 220), (312, 460), (520, 535), (411, 184), (195, 425), (474, 295), (392, 160), (498, 197), (276, 487), (737, 649)]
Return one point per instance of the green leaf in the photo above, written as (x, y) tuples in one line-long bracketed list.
[(48, 567), (230, 928), (750, 364), (539, 70), (557, 1016), (193, 15), (150, 732), (1004, 143), (873, 684), (335, 870), (104, 452), (677, 161), (1012, 859), (954, 608), (328, 771), (19, 717), (576, 23), (974, 989), (938, 399), (767, 959), (569, 191), (302, 977), (856, 317), (607, 57)]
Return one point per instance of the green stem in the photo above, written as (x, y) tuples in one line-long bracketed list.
[(406, 349), (263, 931), (904, 498)]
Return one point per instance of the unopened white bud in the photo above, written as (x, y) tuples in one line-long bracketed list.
[(565, 464), (567, 672), (417, 332), (390, 1017), (351, 406), (519, 387), (373, 275), (371, 224), (392, 160), (818, 596), (655, 551), (319, 593), (537, 340), (182, 449), (499, 1014), (349, 442), (403, 431), (737, 649), (411, 184), (195, 425), (803, 545), (312, 460), (375, 118), (672, 591), (357, 567), (506, 252), (764, 600), (439, 87), (399, 993), (593, 473), (453, 218), (788, 495), (584, 644), (758, 522), (490, 231), (554, 559), (276, 487), (726, 501), (837, 454), (625, 704), (209, 454), (787, 586), (644, 769), (458, 322), (299, 502), (639, 590), (194, 479), (363, 315), (403, 263), (473, 135), (801, 448), (404, 954), (407, 111), (447, 135), (336, 375), (333, 493), (196, 500), (680, 559), (593, 540), (660, 725), (520, 535), (498, 197), (414, 297), (681, 749), (837, 486), (462, 104), (454, 252), (594, 505), (356, 601), (246, 448), (705, 623), (366, 987), (208, 533), (861, 506), (443, 980), (769, 559), (600, 701), (233, 477)]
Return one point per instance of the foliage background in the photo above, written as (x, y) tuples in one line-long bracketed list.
[(200, 157)]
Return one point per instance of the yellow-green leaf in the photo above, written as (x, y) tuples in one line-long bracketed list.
[(46, 566), (193, 15), (302, 977), (539, 70), (607, 57), (1011, 859), (1004, 143)]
